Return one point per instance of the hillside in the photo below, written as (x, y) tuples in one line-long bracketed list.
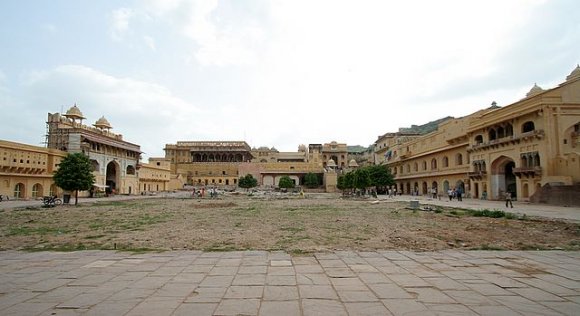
[(425, 128)]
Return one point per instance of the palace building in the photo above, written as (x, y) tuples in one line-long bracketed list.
[(527, 148), (114, 160), (26, 171)]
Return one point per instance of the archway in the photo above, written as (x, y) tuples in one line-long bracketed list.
[(503, 178), (460, 187), (408, 191), (53, 189), (445, 186), (112, 177), (424, 190)]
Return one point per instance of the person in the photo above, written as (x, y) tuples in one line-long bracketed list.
[(450, 194), (459, 193), (434, 191), (508, 199)]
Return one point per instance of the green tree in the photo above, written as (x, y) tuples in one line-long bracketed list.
[(247, 181), (347, 182), (286, 183), (311, 180), (75, 173), (381, 176), (361, 179)]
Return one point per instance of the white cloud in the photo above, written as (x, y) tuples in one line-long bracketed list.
[(120, 22), (149, 42), (218, 41)]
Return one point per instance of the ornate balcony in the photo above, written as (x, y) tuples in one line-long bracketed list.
[(477, 175), (527, 171)]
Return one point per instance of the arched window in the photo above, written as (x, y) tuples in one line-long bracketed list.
[(500, 132), (478, 139), (459, 159), (445, 162), (130, 170), (19, 191), (492, 134), (509, 130), (424, 165), (95, 165), (433, 164), (528, 127), (36, 190), (408, 168), (416, 167)]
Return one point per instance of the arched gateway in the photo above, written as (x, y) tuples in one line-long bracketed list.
[(503, 178)]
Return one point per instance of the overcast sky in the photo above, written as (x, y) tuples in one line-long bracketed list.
[(274, 73)]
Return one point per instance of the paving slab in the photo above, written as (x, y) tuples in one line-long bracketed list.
[(274, 283)]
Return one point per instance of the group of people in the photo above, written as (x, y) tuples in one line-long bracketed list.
[(201, 192), (455, 193)]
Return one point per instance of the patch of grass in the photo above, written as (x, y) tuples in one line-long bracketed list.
[(299, 252), (28, 231), (221, 246), (95, 236), (62, 247), (487, 213), (489, 247)]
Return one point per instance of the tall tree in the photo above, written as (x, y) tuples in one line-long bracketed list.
[(75, 173), (361, 178), (381, 176)]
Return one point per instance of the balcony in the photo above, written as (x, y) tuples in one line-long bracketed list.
[(508, 140), (527, 171), (477, 175)]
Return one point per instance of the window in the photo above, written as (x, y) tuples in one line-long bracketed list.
[(424, 165), (528, 127), (433, 164), (492, 134), (36, 190), (445, 162), (459, 159), (478, 139)]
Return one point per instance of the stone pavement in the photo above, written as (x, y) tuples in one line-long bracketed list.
[(274, 283)]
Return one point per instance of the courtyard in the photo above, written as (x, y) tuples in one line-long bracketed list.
[(274, 222)]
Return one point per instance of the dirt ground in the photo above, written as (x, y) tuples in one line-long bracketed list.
[(284, 223)]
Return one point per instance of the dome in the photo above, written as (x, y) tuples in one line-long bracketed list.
[(74, 113), (352, 163), (302, 148), (331, 163), (574, 74), (102, 123), (534, 90)]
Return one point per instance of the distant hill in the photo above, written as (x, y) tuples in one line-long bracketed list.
[(425, 128), (356, 149)]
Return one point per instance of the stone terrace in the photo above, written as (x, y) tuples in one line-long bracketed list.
[(275, 283)]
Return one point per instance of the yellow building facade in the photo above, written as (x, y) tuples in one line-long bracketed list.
[(26, 171), (154, 176), (519, 148)]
